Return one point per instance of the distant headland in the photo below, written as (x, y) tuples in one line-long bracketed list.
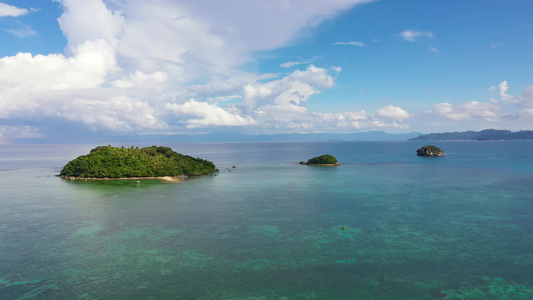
[(106, 162), (487, 134)]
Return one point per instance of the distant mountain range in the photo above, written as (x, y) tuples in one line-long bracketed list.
[(310, 137), (487, 134), (225, 137), (96, 138)]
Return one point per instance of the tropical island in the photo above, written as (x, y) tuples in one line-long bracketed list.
[(322, 160), (484, 135), (106, 162)]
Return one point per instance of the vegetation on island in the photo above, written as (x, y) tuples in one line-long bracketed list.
[(325, 159), (487, 134), (112, 162), (433, 148)]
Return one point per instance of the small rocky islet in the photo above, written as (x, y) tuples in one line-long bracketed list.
[(430, 150)]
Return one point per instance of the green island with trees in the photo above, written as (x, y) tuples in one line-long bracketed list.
[(322, 160), (111, 162)]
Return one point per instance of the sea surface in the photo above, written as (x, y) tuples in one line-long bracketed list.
[(453, 227)]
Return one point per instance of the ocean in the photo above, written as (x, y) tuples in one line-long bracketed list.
[(453, 227)]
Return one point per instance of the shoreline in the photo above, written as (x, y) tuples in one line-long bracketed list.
[(163, 178)]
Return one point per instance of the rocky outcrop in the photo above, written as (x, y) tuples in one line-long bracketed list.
[(430, 150)]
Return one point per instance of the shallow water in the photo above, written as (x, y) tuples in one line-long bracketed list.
[(456, 227)]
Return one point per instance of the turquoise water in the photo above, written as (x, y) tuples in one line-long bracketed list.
[(456, 227)]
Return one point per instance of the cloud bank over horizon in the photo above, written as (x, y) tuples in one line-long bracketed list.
[(161, 67)]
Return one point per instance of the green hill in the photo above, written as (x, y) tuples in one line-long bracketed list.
[(112, 162), (325, 159)]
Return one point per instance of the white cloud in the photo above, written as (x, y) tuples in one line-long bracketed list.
[(336, 69), (350, 43), (291, 64), (22, 31), (294, 89), (527, 112), (510, 111), (467, 111), (434, 49), (526, 99), (261, 32), (7, 10), (394, 113), (120, 113), (214, 35), (412, 36), (134, 66), (348, 120), (503, 87), (140, 79), (88, 21), (87, 69), (210, 114)]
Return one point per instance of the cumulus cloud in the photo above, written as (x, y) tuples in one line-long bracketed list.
[(120, 113), (393, 112), (92, 61), (349, 120), (140, 79), (88, 21), (467, 111), (212, 35), (511, 110), (7, 10), (210, 114), (135, 66), (294, 89), (412, 36), (526, 99)]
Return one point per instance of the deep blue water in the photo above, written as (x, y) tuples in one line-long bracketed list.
[(453, 227)]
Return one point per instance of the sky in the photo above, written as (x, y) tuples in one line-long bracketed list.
[(123, 67)]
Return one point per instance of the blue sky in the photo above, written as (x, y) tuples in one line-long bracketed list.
[(124, 67)]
